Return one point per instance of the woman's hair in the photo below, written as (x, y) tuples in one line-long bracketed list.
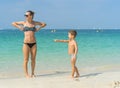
[(31, 13)]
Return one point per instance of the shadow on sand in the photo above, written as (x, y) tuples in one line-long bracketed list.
[(62, 73), (56, 73), (90, 75)]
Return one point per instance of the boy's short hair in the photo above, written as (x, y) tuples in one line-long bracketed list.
[(73, 32)]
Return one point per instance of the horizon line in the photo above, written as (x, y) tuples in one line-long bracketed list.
[(68, 29)]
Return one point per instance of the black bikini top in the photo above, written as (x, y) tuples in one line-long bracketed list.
[(29, 29)]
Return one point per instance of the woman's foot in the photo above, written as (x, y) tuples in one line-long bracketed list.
[(27, 76), (33, 76)]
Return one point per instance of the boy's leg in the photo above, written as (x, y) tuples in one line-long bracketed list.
[(77, 72), (73, 61), (33, 59), (26, 58)]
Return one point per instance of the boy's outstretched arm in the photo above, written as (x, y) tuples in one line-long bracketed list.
[(64, 41)]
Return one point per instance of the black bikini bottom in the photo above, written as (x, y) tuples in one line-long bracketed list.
[(30, 44)]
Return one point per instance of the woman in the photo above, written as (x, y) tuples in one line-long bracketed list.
[(29, 46)]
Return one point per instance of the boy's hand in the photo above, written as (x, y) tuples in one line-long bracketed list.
[(55, 40)]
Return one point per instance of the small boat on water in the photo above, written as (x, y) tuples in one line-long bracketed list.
[(99, 30), (53, 30)]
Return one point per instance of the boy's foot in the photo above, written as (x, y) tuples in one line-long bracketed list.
[(72, 77), (77, 76)]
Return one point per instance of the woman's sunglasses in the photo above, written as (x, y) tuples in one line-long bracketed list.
[(26, 15)]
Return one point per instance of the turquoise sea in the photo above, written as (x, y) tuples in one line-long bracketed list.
[(98, 51)]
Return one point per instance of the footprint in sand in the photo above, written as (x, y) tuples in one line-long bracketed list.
[(117, 84)]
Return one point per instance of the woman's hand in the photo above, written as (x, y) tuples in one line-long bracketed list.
[(40, 24), (18, 25)]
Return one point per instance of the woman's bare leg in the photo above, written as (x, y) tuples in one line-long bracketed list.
[(26, 59), (33, 59)]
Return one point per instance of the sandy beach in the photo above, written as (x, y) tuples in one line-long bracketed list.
[(36, 39), (92, 80)]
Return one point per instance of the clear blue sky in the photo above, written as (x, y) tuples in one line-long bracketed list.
[(63, 13)]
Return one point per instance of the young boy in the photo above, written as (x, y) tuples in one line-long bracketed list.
[(72, 51)]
